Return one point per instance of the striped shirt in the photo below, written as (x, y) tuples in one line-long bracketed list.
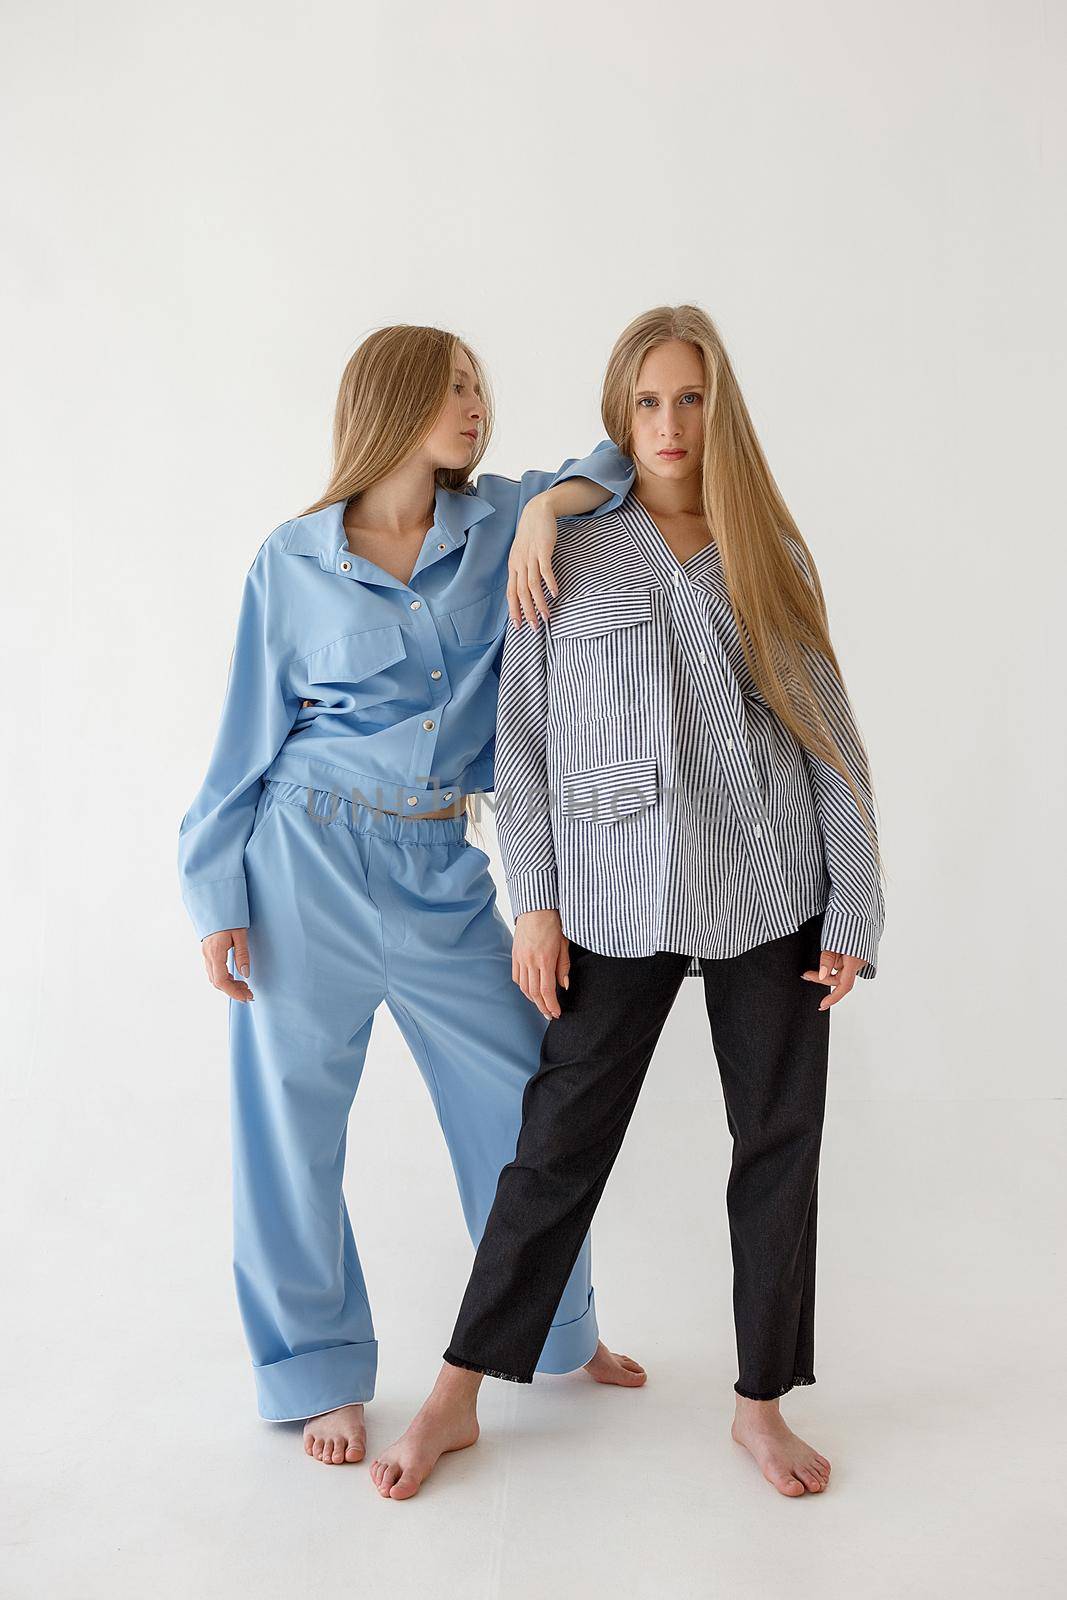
[(646, 790)]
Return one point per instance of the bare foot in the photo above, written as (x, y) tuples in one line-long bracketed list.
[(606, 1367), (447, 1421), (783, 1458), (336, 1436)]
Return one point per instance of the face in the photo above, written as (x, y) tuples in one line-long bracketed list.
[(668, 421), (457, 431)]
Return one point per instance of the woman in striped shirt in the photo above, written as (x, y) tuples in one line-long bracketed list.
[(681, 786)]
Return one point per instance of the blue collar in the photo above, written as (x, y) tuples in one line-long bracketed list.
[(322, 533)]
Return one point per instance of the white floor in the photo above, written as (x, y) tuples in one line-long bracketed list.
[(135, 1463)]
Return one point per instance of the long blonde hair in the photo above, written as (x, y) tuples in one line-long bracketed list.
[(391, 394), (780, 615), (392, 391)]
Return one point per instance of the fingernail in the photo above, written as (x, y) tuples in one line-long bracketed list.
[(822, 972), (566, 983), (244, 971)]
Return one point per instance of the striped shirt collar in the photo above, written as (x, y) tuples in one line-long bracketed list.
[(704, 569)]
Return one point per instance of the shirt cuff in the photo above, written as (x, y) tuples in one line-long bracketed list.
[(852, 936), (608, 466), (216, 906), (534, 891)]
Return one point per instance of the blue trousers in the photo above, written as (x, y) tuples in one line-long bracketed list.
[(349, 907)]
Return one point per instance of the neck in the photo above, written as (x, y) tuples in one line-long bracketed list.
[(670, 497), (398, 503)]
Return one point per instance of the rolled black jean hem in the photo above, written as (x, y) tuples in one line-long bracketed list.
[(775, 1394), (489, 1372)]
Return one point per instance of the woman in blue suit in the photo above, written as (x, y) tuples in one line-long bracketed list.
[(326, 857)]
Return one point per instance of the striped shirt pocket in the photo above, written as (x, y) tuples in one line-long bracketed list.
[(608, 793)]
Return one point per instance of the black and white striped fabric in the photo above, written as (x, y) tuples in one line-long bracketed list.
[(644, 787)]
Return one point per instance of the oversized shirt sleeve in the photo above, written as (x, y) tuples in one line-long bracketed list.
[(606, 465), (855, 912), (523, 819), (258, 713)]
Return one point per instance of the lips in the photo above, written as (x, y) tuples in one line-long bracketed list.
[(670, 455)]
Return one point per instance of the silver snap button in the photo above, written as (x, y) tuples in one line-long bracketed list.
[(346, 566), (703, 659), (729, 741), (413, 799), (436, 673), (428, 725), (448, 796), (442, 547), (416, 605)]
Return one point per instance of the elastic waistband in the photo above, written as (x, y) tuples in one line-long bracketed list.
[(332, 810)]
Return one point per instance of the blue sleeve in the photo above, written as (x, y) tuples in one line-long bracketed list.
[(606, 465), (257, 715)]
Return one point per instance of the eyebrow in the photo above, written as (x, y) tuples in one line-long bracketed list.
[(687, 388), (458, 373)]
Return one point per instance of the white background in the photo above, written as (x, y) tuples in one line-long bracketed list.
[(207, 207)]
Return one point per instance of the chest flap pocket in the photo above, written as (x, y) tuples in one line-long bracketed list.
[(593, 613), (483, 620), (353, 662)]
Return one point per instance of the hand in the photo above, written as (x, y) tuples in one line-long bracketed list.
[(530, 562), (541, 959), (215, 948), (839, 972)]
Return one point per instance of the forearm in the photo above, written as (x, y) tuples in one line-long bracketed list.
[(575, 497)]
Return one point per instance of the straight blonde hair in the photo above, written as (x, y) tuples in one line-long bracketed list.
[(392, 391), (780, 613), (393, 388)]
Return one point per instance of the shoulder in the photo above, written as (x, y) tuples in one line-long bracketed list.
[(590, 528), (275, 542), (801, 555), (267, 558), (593, 552)]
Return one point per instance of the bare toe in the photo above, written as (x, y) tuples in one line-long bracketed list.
[(406, 1485)]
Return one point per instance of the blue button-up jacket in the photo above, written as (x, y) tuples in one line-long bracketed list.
[(404, 676)]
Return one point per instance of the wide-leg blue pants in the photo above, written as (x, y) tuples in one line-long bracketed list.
[(348, 907)]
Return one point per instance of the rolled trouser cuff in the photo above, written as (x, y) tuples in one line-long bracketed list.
[(571, 1344), (305, 1386)]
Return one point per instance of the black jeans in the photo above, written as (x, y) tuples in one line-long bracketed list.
[(771, 1042)]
